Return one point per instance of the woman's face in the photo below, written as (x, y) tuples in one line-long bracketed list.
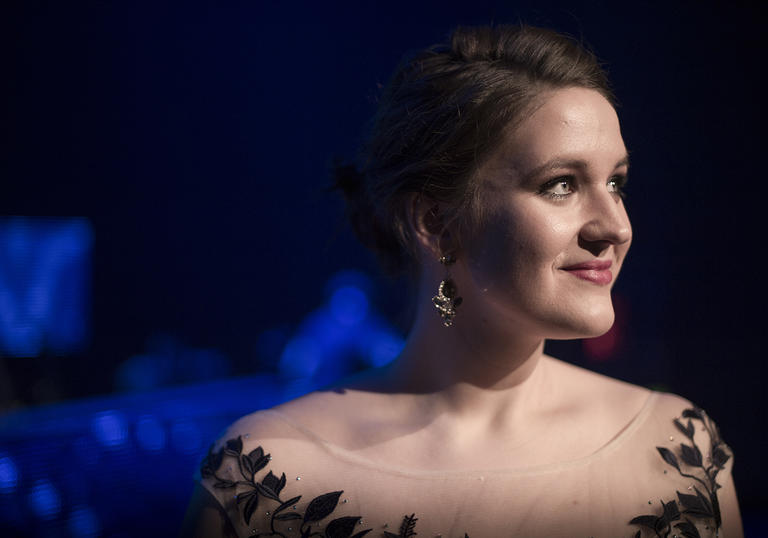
[(551, 196)]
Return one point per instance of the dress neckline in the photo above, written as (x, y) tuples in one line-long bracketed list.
[(352, 457)]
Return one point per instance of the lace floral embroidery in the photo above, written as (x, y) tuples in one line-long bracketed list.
[(676, 516), (284, 518), (703, 506)]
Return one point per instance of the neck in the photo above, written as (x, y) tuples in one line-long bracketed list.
[(471, 369)]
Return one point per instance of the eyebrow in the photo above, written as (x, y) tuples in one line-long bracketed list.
[(554, 164)]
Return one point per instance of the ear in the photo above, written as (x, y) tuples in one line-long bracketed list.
[(427, 221)]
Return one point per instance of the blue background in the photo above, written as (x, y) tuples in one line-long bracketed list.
[(192, 146)]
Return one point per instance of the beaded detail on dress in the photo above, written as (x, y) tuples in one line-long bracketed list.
[(700, 503), (283, 515), (285, 520), (692, 511)]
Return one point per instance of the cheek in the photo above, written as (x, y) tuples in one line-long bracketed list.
[(517, 249), (495, 253)]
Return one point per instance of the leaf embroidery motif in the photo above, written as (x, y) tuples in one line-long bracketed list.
[(704, 505), (406, 528), (270, 489)]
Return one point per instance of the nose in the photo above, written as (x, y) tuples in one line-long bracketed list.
[(606, 221)]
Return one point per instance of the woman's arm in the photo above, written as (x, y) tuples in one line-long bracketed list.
[(206, 518), (729, 509)]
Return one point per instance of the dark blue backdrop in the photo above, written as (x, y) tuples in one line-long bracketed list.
[(196, 141)]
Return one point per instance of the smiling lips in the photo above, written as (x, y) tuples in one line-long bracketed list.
[(597, 271)]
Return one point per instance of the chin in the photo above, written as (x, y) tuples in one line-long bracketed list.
[(598, 329), (593, 323)]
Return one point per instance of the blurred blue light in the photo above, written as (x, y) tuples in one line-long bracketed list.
[(384, 348), (83, 522), (86, 451), (301, 357), (333, 339), (195, 365), (143, 372), (349, 305), (44, 500), (9, 476), (110, 429), (270, 343), (186, 437), (150, 433), (348, 277), (167, 362), (44, 285)]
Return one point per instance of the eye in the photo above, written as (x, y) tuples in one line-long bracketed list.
[(616, 185), (557, 188)]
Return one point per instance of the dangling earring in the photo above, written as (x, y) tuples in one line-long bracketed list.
[(446, 300)]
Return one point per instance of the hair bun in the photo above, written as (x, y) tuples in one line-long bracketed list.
[(365, 219), (351, 182), (348, 179), (444, 111)]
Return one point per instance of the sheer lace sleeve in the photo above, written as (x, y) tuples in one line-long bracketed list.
[(690, 449), (258, 496)]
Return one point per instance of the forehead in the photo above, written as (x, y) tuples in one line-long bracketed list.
[(567, 124)]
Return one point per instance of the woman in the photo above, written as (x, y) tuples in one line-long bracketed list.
[(494, 174)]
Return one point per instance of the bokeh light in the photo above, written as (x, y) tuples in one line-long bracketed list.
[(83, 522), (9, 475), (44, 285), (349, 305), (186, 437), (150, 433), (109, 428), (44, 500)]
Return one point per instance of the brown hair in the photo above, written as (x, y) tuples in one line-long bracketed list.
[(444, 112)]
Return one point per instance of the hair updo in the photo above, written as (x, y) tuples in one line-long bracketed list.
[(443, 113)]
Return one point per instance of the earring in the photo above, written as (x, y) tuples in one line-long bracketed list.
[(446, 300)]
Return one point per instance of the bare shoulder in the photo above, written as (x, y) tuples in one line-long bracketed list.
[(341, 417), (356, 404), (256, 427), (257, 451), (597, 390), (209, 513), (691, 439), (615, 402), (673, 405), (316, 407), (684, 419)]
